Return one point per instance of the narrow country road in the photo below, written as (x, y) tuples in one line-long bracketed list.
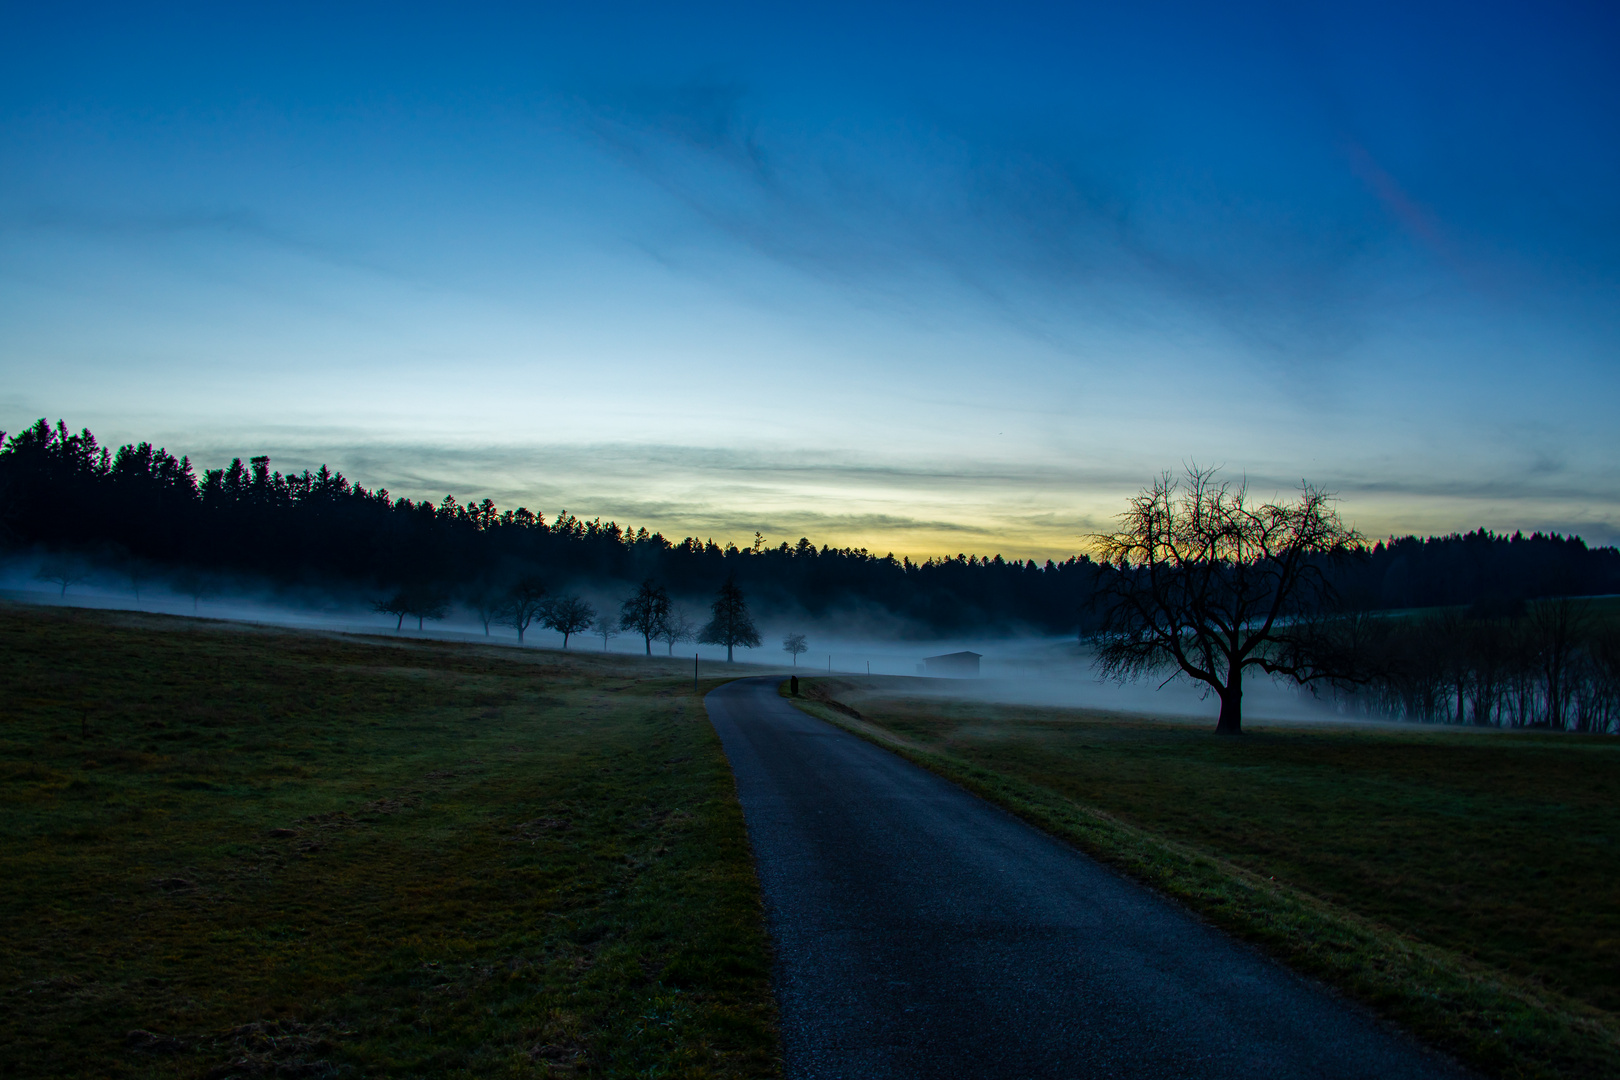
[(921, 932)]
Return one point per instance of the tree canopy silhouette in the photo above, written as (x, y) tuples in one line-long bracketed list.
[(730, 624), (525, 604), (646, 612), (1208, 585), (568, 615)]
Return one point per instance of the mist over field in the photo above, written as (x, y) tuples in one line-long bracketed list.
[(1015, 669)]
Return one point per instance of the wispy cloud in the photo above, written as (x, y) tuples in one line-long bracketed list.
[(1033, 227), (236, 224)]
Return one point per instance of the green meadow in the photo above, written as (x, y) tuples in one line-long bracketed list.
[(1465, 884), (231, 851)]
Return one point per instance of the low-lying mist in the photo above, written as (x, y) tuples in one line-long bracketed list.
[(1017, 669)]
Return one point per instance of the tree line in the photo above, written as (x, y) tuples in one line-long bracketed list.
[(648, 612), (61, 491), (1545, 664)]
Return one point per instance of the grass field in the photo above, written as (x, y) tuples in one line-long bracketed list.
[(1466, 884), (240, 852)]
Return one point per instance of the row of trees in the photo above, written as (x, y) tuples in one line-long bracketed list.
[(649, 613), (1551, 664), (62, 491)]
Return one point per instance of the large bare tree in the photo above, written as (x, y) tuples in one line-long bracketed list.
[(1207, 584)]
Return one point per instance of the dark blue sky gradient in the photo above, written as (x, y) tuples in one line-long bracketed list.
[(918, 277)]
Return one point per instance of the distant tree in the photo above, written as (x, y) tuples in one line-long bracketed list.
[(1206, 584), (197, 585), (1557, 629), (487, 605), (417, 603), (730, 624), (645, 612), (525, 604), (606, 628), (568, 615), (676, 629), (63, 572), (398, 605), (428, 605), (131, 566), (795, 644), (1492, 641)]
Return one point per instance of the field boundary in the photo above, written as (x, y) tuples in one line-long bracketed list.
[(1491, 1020)]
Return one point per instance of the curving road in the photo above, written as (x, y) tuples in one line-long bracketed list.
[(921, 932)]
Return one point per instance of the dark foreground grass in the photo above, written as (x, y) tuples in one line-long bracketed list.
[(1465, 884), (237, 852)]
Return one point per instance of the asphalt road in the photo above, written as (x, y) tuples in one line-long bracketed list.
[(921, 932)]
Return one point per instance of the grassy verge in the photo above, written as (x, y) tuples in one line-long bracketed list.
[(235, 852), (1466, 885)]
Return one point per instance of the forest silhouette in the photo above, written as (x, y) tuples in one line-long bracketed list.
[(62, 492)]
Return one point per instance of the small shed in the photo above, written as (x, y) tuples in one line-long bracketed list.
[(956, 665)]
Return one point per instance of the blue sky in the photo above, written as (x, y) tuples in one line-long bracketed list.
[(921, 278)]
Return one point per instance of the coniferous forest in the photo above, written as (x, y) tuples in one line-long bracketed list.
[(63, 492)]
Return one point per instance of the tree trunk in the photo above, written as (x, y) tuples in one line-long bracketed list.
[(1231, 721)]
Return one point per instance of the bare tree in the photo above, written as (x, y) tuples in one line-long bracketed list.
[(197, 585), (427, 605), (1206, 584), (568, 615), (795, 644), (487, 606), (137, 572), (730, 624), (62, 572), (676, 629), (606, 628), (645, 612), (399, 605), (419, 604), (1557, 630), (525, 605)]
